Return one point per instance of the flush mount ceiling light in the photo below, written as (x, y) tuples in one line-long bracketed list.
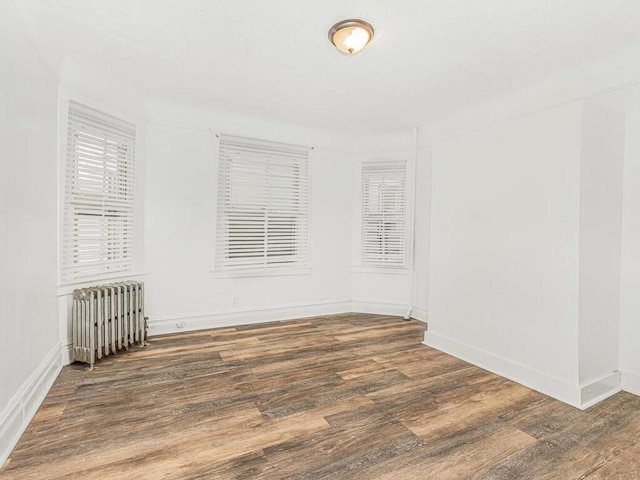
[(351, 36)]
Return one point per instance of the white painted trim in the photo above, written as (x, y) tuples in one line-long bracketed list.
[(66, 354), (160, 326), (420, 313), (380, 270), (594, 391), (260, 272), (542, 382), (630, 382), (67, 289), (25, 403), (165, 325), (377, 308), (413, 184)]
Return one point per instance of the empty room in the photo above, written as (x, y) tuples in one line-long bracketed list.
[(320, 240)]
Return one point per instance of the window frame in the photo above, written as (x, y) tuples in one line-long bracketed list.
[(271, 156), (385, 171), (116, 190)]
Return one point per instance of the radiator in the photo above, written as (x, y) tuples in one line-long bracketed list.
[(107, 318)]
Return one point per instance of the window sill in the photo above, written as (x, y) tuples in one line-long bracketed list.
[(381, 270), (260, 272), (68, 288)]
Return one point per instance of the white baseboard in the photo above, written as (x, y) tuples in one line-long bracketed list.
[(630, 382), (25, 403), (594, 391), (419, 313), (542, 382), (66, 354), (378, 308), (166, 325), (160, 326)]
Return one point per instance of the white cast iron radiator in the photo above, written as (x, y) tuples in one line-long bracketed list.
[(107, 318)]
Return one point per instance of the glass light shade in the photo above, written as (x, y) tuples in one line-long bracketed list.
[(351, 36)]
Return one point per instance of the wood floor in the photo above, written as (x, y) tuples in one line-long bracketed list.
[(344, 397)]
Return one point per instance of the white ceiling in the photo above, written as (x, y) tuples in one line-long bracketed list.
[(430, 59)]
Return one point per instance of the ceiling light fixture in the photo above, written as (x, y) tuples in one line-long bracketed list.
[(351, 36)]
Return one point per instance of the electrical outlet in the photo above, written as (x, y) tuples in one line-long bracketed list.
[(181, 324), (236, 301)]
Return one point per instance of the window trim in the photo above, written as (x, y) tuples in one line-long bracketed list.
[(261, 272), (364, 266), (262, 269)]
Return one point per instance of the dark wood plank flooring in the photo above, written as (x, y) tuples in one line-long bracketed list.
[(347, 396)]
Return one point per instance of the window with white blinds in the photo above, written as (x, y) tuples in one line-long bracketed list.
[(383, 214), (98, 230), (263, 205)]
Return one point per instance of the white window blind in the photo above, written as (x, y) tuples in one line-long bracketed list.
[(98, 230), (383, 213), (263, 205)]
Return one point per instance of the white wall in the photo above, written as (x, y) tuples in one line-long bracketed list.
[(603, 134), (180, 203), (503, 285), (630, 276), (28, 310)]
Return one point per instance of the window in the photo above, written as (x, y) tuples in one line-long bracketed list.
[(263, 205), (383, 213), (98, 233)]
